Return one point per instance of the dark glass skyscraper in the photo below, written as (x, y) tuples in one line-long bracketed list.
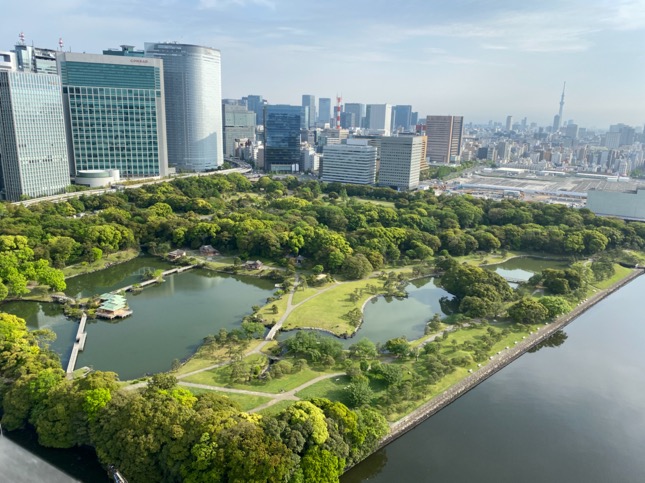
[(282, 137), (359, 112), (309, 101), (402, 117), (324, 109), (256, 104)]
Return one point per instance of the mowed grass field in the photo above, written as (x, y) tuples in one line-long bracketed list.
[(327, 310), (221, 377)]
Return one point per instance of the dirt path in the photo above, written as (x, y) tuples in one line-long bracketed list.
[(275, 398)]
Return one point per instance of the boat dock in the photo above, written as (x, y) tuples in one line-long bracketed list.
[(79, 345)]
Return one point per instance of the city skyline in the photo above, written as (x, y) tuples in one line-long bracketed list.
[(482, 61)]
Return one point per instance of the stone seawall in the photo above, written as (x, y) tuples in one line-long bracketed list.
[(498, 362)]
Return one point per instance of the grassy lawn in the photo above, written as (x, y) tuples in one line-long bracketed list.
[(488, 258), (207, 355), (267, 313), (300, 295), (245, 401), (326, 311), (276, 408), (39, 293), (220, 377), (421, 340), (621, 272), (108, 259), (333, 389), (388, 204)]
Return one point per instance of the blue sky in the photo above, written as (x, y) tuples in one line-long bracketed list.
[(482, 59)]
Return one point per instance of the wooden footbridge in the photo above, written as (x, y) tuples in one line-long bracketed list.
[(79, 345), (152, 281)]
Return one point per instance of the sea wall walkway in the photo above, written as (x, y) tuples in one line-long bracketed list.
[(497, 363)]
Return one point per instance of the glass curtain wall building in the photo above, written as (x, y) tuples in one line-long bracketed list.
[(33, 150), (193, 82), (282, 138), (115, 114)]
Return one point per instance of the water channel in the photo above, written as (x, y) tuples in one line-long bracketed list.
[(573, 413)]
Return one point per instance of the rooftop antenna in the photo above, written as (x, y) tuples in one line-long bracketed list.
[(60, 43), (21, 37)]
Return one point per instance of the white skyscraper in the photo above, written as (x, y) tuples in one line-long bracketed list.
[(193, 92), (33, 148), (400, 162), (354, 162), (379, 118)]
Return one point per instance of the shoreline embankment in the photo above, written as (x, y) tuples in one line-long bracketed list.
[(498, 362)]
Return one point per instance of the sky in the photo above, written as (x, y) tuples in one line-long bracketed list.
[(481, 59)]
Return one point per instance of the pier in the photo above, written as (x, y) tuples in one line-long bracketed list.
[(79, 345)]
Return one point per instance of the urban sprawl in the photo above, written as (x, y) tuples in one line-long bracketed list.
[(72, 121)]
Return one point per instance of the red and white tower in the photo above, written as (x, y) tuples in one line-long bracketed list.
[(60, 43), (339, 100)]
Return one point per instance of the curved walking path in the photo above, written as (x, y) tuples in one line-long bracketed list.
[(275, 398), (290, 307)]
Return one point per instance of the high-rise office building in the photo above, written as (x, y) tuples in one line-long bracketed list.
[(282, 138), (304, 118), (509, 123), (33, 149), (354, 162), (402, 117), (324, 110), (414, 119), (378, 118), (444, 138), (256, 104), (400, 162), (239, 123), (359, 113), (115, 113), (347, 120), (503, 149), (309, 101), (193, 92), (572, 131), (36, 60)]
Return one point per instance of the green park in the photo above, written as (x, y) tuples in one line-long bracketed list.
[(294, 377)]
